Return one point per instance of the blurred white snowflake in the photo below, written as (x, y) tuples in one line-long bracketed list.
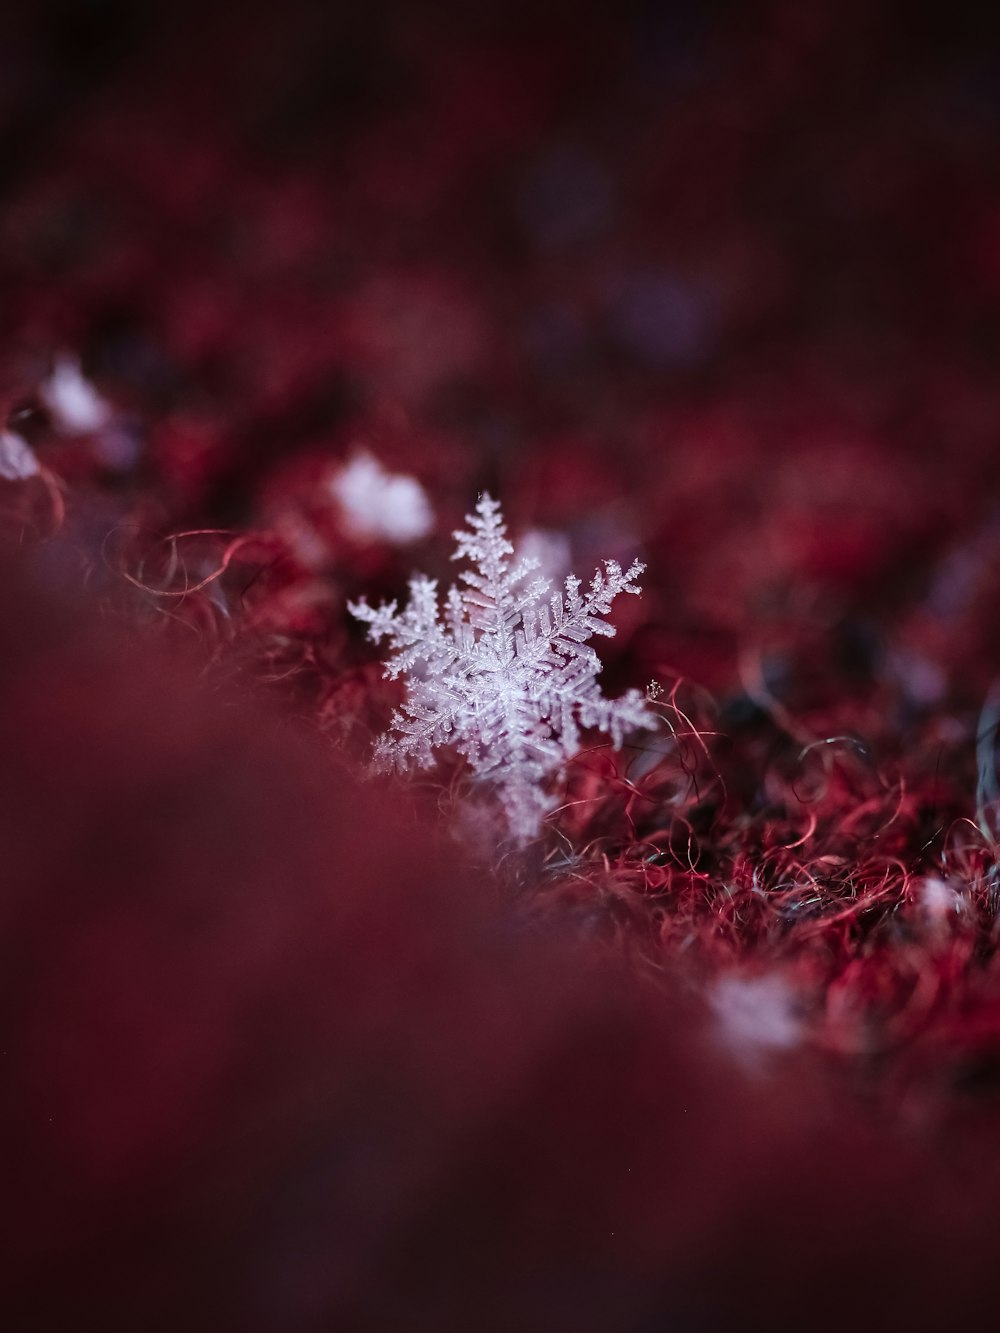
[(505, 674), (76, 406), (378, 505), (756, 1015), (17, 458)]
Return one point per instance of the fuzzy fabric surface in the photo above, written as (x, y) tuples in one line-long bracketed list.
[(714, 287)]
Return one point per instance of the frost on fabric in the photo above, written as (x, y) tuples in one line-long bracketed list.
[(381, 506), (504, 672)]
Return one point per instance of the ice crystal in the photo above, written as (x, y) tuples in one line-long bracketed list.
[(503, 672)]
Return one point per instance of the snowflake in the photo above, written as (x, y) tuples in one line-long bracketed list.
[(756, 1014), (17, 458), (381, 506), (505, 675), (76, 406)]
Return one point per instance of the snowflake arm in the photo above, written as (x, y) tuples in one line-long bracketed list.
[(415, 634)]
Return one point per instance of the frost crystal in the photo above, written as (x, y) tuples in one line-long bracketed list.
[(505, 673)]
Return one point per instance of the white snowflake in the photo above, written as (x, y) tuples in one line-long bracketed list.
[(17, 458), (76, 406), (756, 1014), (505, 674), (378, 505)]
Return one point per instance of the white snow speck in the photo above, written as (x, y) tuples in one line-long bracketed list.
[(549, 552), (75, 405), (756, 1014), (939, 900), (381, 506), (17, 458)]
